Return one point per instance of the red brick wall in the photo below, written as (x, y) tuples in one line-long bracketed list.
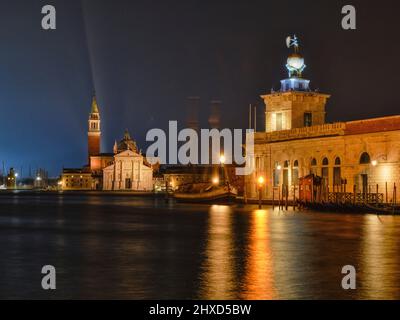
[(93, 145)]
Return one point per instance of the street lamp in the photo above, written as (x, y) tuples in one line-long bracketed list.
[(222, 160), (279, 167), (216, 181), (375, 162)]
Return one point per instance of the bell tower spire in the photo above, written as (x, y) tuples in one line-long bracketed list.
[(94, 132)]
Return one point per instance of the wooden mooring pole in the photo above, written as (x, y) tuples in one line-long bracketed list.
[(294, 197), (279, 196), (273, 198), (386, 187), (394, 195), (287, 197)]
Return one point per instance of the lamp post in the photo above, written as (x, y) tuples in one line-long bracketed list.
[(215, 181), (222, 162), (38, 182), (279, 169), (260, 186)]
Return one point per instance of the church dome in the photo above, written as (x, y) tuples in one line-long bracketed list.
[(295, 61), (127, 143)]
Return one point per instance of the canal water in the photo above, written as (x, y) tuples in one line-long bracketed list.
[(132, 248)]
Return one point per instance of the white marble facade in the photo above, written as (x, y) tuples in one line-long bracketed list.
[(128, 173)]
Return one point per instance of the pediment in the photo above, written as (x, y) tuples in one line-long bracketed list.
[(127, 153)]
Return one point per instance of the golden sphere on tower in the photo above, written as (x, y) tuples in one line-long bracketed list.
[(295, 61)]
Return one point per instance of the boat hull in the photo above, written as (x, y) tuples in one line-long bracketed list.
[(214, 196)]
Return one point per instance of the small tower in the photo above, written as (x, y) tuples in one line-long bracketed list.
[(94, 133), (295, 105)]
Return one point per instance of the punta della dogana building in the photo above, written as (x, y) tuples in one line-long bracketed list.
[(358, 155)]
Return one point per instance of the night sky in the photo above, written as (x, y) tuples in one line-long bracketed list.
[(144, 58)]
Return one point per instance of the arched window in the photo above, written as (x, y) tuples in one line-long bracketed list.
[(295, 172), (325, 171), (337, 173), (313, 166), (285, 173), (276, 175), (313, 162), (365, 158), (286, 164)]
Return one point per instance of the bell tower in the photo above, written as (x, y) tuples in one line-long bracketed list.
[(295, 105), (94, 133)]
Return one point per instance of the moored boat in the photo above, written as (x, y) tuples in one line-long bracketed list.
[(210, 194)]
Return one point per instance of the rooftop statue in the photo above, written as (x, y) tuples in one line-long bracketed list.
[(295, 62)]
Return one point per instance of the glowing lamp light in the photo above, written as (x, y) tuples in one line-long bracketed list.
[(16, 175), (279, 167), (216, 180), (222, 159), (38, 179), (374, 163), (261, 180)]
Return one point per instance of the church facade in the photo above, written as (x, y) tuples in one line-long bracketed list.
[(125, 169), (349, 156), (129, 170)]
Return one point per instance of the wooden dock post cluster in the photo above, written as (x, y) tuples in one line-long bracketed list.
[(283, 197), (313, 193)]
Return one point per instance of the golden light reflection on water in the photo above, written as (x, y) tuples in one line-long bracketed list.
[(218, 278), (220, 273), (378, 263), (259, 283)]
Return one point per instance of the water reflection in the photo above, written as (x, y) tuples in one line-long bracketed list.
[(380, 262), (217, 272), (259, 275), (137, 248)]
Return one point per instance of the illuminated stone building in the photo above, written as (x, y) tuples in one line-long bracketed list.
[(364, 154), (76, 179), (129, 170), (94, 176)]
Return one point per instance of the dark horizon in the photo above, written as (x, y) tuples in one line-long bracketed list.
[(144, 58)]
